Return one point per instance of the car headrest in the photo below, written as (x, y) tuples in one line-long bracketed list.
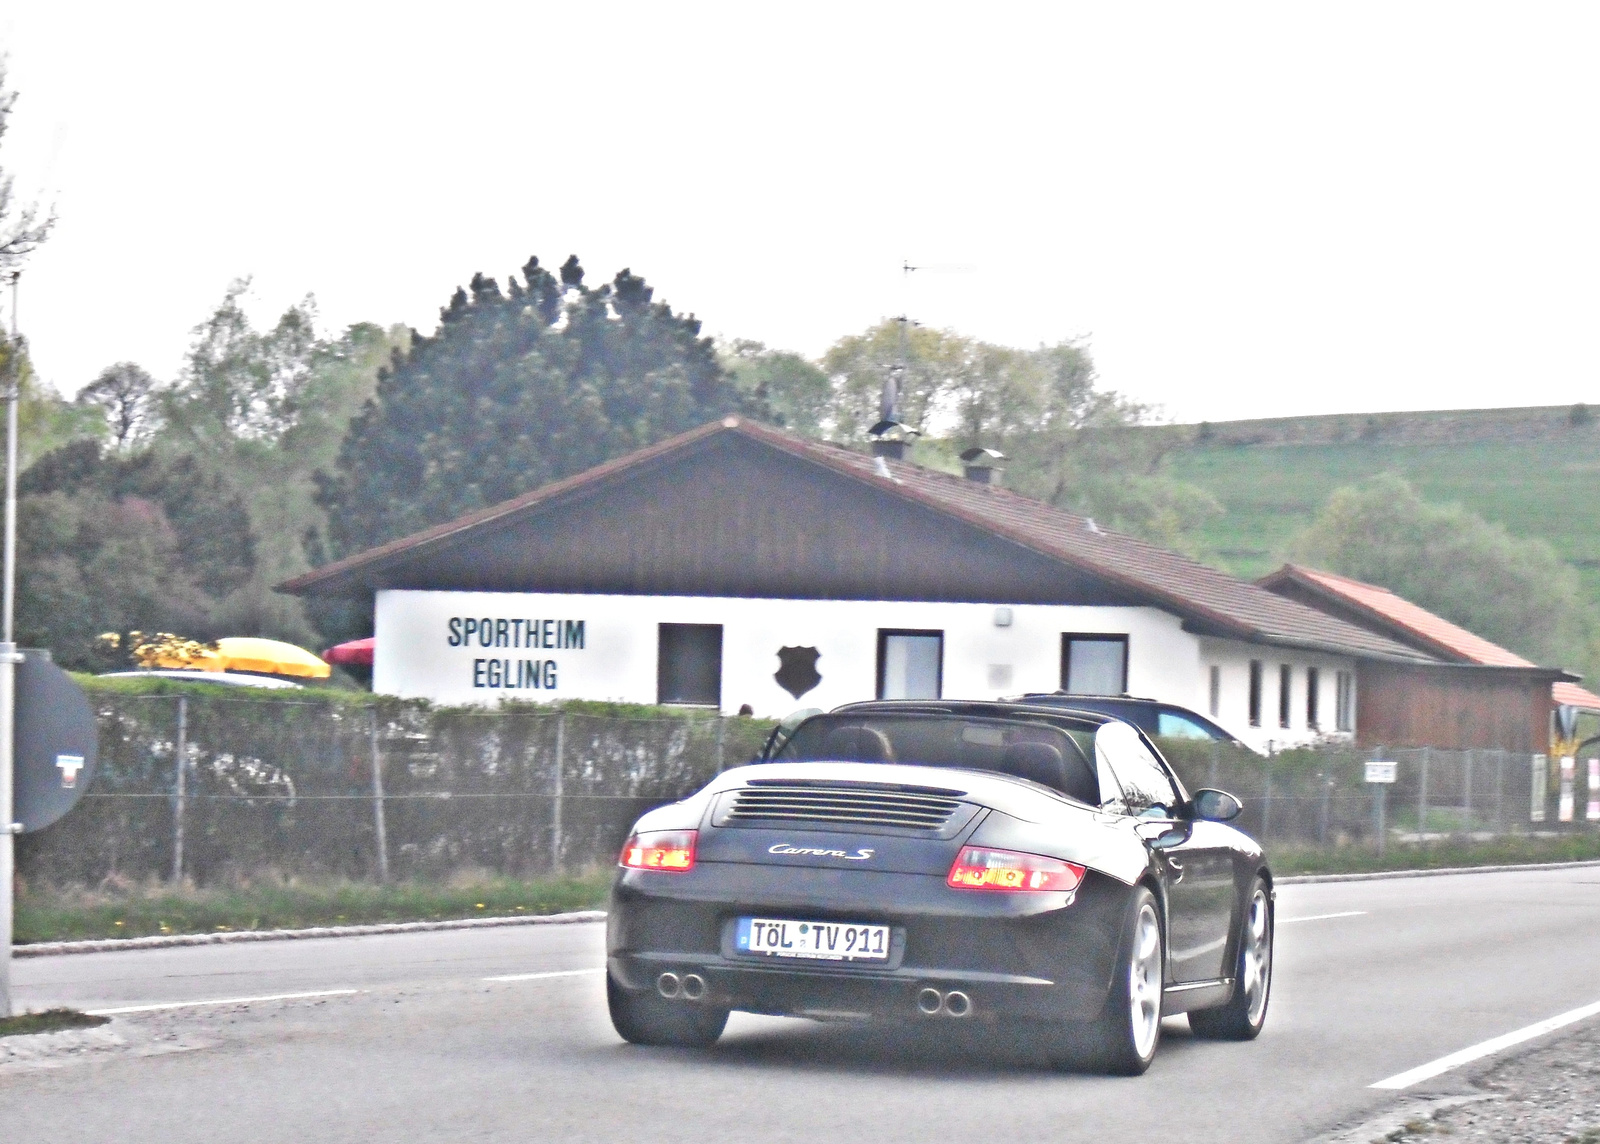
[(1043, 764), (858, 745)]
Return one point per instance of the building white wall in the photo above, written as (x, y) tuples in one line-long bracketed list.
[(1233, 658), (618, 660)]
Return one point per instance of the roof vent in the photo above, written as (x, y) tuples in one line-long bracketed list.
[(979, 465), (890, 438)]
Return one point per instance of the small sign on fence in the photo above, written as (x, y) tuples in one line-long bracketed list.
[(1382, 772)]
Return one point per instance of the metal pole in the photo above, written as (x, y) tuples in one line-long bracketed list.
[(1266, 801), (1322, 822), (1500, 791), (181, 765), (722, 729), (379, 826), (1468, 759), (1422, 795), (9, 658), (555, 811)]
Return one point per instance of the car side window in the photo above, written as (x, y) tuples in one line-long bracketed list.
[(1144, 785), (1172, 725)]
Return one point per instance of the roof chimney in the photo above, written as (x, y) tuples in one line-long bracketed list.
[(979, 465), (890, 438)]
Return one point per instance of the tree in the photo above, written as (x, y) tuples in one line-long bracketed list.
[(1514, 591), (126, 396), (22, 227), (798, 394), (516, 388)]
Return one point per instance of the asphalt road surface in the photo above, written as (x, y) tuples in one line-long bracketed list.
[(1374, 979)]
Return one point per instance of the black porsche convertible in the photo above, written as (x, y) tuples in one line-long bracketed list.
[(1035, 867)]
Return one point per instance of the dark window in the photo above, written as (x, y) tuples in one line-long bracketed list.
[(1313, 684), (910, 664), (1094, 664), (1144, 784), (1344, 711), (689, 664), (1285, 680), (1255, 693), (1216, 691)]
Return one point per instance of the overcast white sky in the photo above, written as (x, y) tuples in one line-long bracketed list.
[(1247, 210)]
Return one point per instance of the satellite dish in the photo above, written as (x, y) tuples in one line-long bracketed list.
[(57, 742)]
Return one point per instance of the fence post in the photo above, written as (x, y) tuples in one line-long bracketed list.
[(379, 825), (1322, 820), (555, 811), (1468, 759), (1422, 795), (1380, 806), (1211, 774), (181, 760), (722, 730), (1266, 799), (1500, 791)]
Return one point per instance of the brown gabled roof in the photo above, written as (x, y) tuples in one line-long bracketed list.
[(1212, 598)]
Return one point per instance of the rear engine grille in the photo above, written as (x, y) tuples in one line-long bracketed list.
[(841, 805)]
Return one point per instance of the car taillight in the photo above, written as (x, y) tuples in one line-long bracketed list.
[(670, 851), (979, 868)]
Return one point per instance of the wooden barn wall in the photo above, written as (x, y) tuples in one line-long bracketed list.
[(1415, 706), (737, 519)]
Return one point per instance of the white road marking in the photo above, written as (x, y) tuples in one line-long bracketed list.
[(1324, 917), (1487, 1048), (219, 1001), (542, 976)]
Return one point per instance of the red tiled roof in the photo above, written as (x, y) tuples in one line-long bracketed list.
[(1571, 695), (1169, 579), (1441, 634)]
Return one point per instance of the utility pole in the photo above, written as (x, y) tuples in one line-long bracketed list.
[(9, 658)]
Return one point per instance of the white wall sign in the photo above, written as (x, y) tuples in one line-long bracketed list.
[(1382, 772)]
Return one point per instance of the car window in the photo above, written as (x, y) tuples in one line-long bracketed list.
[(1144, 785), (1173, 725)]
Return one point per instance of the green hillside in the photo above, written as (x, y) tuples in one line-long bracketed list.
[(1536, 471)]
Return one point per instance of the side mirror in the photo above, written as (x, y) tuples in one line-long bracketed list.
[(1177, 836), (1215, 805)]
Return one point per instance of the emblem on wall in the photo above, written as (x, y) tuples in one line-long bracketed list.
[(797, 669)]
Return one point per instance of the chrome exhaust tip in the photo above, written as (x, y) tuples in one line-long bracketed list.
[(669, 986), (957, 1003), (930, 1001), (694, 987)]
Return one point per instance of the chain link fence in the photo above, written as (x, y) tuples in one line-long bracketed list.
[(208, 788)]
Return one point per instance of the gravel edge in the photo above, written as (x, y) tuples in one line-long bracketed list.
[(170, 941), (111, 945)]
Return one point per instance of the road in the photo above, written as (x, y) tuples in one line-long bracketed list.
[(1375, 979)]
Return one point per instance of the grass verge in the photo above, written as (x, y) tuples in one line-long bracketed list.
[(69, 914), (49, 1021), (1510, 850)]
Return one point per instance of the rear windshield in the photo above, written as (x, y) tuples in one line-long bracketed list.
[(1040, 752)]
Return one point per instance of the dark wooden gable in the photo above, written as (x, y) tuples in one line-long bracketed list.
[(728, 515)]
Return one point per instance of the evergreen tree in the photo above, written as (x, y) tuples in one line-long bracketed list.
[(516, 388)]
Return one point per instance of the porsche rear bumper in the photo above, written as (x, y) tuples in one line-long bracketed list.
[(1013, 955)]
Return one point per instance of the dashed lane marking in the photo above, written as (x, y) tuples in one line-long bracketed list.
[(1324, 917), (543, 976), (219, 1001), (1487, 1048)]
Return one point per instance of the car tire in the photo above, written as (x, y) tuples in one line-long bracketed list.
[(1243, 1017), (1123, 1040), (643, 1018)]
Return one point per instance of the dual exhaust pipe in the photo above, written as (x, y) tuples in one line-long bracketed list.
[(932, 1003), (689, 987)]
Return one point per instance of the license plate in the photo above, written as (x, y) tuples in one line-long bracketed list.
[(815, 941)]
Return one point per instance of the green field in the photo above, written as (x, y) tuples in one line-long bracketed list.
[(1270, 492)]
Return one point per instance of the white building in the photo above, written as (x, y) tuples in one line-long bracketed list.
[(740, 565)]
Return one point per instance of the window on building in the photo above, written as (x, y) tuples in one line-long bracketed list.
[(689, 664), (1313, 685), (1285, 682), (1255, 693), (910, 664), (1094, 664), (1216, 691), (1344, 707)]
